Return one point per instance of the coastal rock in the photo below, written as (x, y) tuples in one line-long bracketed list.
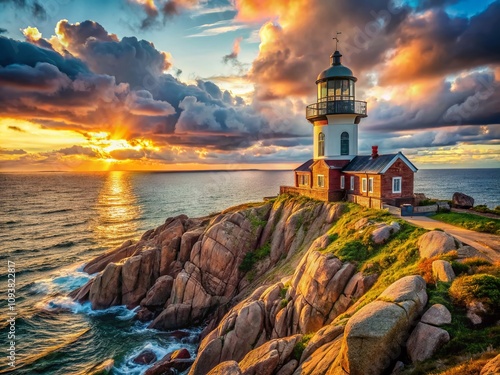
[(424, 341), (435, 243), (98, 264), (269, 358), (442, 271), (106, 288), (138, 275), (383, 232), (375, 334), (321, 360), (461, 200), (187, 242), (492, 367), (146, 357), (324, 336), (171, 364), (159, 293), (226, 368), (82, 294), (236, 335), (437, 315)]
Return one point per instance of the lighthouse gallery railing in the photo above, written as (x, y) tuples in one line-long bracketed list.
[(335, 107)]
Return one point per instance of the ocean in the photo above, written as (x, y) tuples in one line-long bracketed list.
[(52, 223)]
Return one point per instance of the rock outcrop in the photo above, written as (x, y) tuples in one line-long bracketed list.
[(425, 340), (315, 321), (442, 271), (437, 315), (435, 243), (375, 335), (461, 200)]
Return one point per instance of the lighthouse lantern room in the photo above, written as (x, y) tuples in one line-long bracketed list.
[(336, 114)]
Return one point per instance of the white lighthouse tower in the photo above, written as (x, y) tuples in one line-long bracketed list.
[(336, 114)]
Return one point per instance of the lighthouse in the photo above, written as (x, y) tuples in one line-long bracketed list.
[(337, 172), (336, 114)]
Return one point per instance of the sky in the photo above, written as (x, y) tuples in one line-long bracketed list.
[(223, 84)]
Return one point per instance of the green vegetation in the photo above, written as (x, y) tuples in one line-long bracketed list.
[(300, 346), (392, 260), (254, 256), (470, 221), (483, 288), (256, 222), (427, 202), (484, 209)]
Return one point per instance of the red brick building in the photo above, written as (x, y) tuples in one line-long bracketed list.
[(336, 171)]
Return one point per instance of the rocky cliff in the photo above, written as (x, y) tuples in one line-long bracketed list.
[(290, 286)]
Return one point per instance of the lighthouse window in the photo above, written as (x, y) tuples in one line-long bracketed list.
[(322, 91), (351, 88), (345, 89), (344, 143), (331, 89), (338, 87), (321, 144)]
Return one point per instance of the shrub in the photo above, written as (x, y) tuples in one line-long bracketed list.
[(459, 268), (483, 288), (301, 345)]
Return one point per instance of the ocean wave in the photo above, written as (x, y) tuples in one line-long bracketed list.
[(75, 224), (63, 281), (65, 244), (129, 367), (56, 211)]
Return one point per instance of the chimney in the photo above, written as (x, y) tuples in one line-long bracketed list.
[(374, 152)]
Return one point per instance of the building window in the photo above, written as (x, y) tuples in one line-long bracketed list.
[(370, 185), (363, 185), (303, 179), (352, 182), (344, 143), (396, 184), (321, 144), (342, 182), (321, 180)]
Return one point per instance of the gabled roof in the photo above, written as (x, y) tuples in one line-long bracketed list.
[(305, 167), (379, 165), (336, 164)]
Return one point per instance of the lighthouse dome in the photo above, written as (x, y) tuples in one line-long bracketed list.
[(336, 70)]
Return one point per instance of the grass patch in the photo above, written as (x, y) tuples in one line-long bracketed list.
[(256, 222), (301, 345), (253, 257), (484, 209), (470, 221), (465, 339)]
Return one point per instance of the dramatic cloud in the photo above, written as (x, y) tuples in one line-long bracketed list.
[(12, 152), (33, 7), (167, 8), (90, 81), (233, 56), (431, 78)]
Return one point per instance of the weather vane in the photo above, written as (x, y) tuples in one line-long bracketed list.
[(337, 40)]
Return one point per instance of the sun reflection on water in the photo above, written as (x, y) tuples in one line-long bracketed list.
[(117, 209)]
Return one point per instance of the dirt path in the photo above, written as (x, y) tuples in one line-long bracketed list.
[(488, 244)]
